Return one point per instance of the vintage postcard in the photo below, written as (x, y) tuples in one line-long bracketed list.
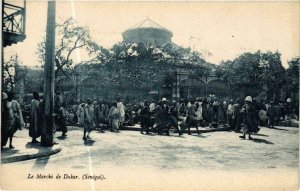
[(150, 95)]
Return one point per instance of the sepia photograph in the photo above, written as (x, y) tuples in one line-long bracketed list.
[(150, 95)]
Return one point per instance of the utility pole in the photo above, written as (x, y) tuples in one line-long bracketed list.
[(48, 101), (2, 47)]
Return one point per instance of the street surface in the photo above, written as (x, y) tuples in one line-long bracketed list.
[(212, 161)]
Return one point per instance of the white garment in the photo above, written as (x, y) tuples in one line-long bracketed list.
[(199, 111), (121, 109), (230, 109), (189, 104), (80, 114), (152, 107)]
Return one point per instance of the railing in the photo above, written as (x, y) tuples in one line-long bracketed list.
[(13, 18)]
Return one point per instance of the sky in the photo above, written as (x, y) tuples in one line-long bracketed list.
[(225, 29)]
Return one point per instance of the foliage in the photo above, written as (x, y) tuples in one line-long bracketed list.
[(34, 80), (70, 37), (257, 71), (12, 72), (272, 75), (132, 65), (292, 77)]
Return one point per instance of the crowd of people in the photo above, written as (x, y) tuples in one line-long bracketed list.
[(155, 116), (163, 116)]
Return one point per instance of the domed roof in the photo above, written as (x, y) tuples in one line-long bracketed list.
[(147, 32), (148, 24)]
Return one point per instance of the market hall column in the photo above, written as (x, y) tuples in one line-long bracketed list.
[(176, 87), (49, 75)]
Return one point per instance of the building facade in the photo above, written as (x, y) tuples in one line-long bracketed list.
[(184, 86)]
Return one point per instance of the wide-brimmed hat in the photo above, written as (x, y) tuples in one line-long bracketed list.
[(248, 98)]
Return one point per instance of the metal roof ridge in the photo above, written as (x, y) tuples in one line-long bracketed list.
[(155, 25)]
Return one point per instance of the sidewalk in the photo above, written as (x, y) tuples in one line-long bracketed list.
[(25, 150)]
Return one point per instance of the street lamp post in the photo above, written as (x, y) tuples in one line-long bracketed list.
[(48, 102)]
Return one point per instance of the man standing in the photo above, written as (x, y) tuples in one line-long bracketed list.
[(80, 113), (145, 118), (63, 119), (164, 116), (35, 118), (100, 115), (229, 113), (114, 117), (237, 116), (7, 118), (121, 109), (88, 119), (250, 124), (192, 117), (271, 113), (288, 111)]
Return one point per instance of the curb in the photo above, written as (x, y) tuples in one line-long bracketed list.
[(185, 131), (29, 156)]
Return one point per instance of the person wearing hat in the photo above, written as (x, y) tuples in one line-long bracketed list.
[(288, 111), (250, 124)]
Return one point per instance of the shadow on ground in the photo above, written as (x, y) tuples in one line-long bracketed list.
[(257, 140), (279, 129), (198, 135), (61, 137), (9, 151), (262, 135), (32, 145), (89, 142)]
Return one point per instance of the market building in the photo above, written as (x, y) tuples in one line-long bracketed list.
[(150, 33)]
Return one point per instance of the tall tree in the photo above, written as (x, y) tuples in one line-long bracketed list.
[(272, 75), (291, 86), (70, 37)]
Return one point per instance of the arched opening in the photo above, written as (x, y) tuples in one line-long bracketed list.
[(192, 88)]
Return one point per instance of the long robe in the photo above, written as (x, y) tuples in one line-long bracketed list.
[(121, 108), (191, 116), (114, 117), (250, 122), (35, 119), (80, 114), (199, 112), (88, 118)]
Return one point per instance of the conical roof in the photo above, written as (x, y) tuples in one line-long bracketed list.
[(148, 23)]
